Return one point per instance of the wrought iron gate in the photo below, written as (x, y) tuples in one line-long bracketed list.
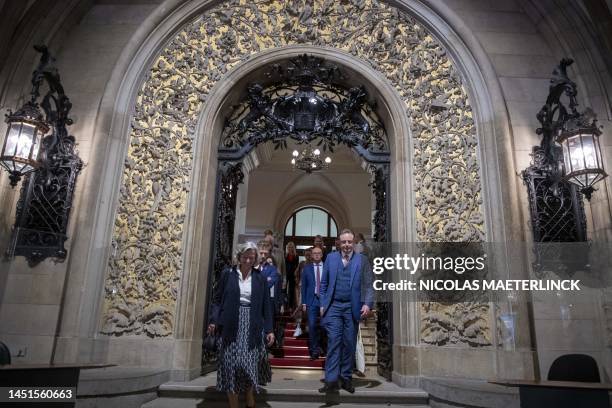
[(307, 104)]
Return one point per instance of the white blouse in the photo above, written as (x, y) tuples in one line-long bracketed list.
[(245, 288)]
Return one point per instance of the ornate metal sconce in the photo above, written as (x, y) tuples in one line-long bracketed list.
[(50, 166), (567, 163)]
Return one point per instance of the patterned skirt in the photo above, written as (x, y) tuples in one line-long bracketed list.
[(238, 367)]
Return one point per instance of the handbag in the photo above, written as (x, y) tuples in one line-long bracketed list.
[(360, 354)]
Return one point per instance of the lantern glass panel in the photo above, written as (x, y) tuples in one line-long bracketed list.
[(588, 151), (566, 156), (36, 149), (26, 141), (574, 161), (598, 152), (12, 139)]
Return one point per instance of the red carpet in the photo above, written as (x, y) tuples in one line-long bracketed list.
[(294, 352)]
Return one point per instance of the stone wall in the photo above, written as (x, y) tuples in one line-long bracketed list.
[(33, 300), (51, 310)]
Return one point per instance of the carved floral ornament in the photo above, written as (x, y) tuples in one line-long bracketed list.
[(146, 264)]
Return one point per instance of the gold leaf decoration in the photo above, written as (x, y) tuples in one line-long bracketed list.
[(146, 265)]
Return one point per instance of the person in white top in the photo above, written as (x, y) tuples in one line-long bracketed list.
[(241, 313)]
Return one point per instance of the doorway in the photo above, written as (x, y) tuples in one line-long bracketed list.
[(305, 224), (304, 101)]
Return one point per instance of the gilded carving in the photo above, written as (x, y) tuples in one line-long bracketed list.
[(144, 270), (455, 323)]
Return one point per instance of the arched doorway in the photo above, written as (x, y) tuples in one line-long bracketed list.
[(306, 100), (429, 34), (307, 222)]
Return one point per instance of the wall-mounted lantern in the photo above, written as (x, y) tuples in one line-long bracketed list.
[(565, 166), (49, 165), (582, 158), (21, 147), (570, 139)]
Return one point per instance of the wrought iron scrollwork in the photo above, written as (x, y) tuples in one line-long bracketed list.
[(384, 327), (306, 104), (229, 177), (556, 207), (557, 212), (380, 189), (45, 202)]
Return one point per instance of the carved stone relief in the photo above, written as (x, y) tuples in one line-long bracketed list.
[(144, 269), (457, 323), (607, 312)]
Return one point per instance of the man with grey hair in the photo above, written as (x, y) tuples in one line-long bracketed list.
[(346, 295)]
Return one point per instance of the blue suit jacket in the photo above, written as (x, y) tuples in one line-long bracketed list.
[(270, 271), (362, 292), (309, 284), (226, 302)]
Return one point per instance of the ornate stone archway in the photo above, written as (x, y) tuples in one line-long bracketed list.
[(150, 263)]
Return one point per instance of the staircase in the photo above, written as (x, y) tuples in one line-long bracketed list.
[(294, 351), (292, 389), (368, 337)]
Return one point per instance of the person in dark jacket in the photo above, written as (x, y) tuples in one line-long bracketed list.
[(311, 285), (291, 264), (241, 312), (274, 280)]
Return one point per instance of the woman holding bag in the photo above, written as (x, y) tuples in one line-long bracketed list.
[(242, 314)]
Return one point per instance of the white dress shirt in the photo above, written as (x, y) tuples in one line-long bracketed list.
[(314, 269), (245, 288), (349, 256)]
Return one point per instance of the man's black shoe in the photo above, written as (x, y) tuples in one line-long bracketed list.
[(329, 387), (348, 385)]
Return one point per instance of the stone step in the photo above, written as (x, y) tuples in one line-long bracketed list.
[(199, 403), (293, 386)]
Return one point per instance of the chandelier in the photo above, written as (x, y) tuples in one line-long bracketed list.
[(309, 160)]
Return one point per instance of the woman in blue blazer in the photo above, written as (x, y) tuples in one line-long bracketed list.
[(241, 312)]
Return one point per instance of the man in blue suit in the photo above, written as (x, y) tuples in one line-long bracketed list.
[(346, 296), (274, 283), (270, 272), (311, 289)]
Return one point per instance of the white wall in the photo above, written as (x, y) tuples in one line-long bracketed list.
[(270, 191)]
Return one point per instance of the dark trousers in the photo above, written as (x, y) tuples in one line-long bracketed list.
[(291, 291), (279, 326), (341, 341), (314, 317)]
